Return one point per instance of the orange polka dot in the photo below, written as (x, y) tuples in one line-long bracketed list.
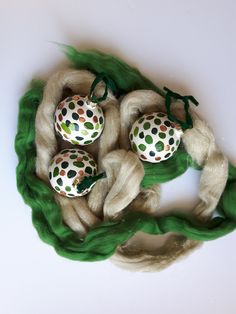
[(58, 160), (163, 128), (62, 172), (76, 97), (81, 119), (63, 193), (80, 111), (61, 105), (158, 158), (95, 119), (167, 147), (81, 173)]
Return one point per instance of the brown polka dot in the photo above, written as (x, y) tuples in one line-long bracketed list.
[(95, 119), (167, 147), (81, 119), (158, 158), (63, 193), (60, 117), (142, 156), (58, 160), (58, 127), (172, 124), (65, 135), (65, 155), (80, 111), (149, 117), (163, 128), (62, 172)]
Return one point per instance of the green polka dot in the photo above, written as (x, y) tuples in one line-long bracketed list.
[(162, 135), (84, 132), (172, 148), (68, 188), (157, 121), (92, 163), (146, 125), (97, 126), (89, 170), (177, 142), (160, 114), (171, 132), (148, 139), (94, 134), (57, 188), (65, 128), (88, 142), (85, 158), (159, 146), (74, 142), (136, 131), (131, 136), (142, 147), (73, 156), (88, 125), (134, 147), (55, 172), (71, 105), (78, 164)]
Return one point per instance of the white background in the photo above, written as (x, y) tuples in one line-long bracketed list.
[(185, 44)]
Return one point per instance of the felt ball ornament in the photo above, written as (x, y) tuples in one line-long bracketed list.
[(154, 137), (72, 172), (78, 120)]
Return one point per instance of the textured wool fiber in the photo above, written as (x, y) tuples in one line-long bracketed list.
[(87, 230)]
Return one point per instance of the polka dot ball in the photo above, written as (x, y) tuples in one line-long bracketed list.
[(79, 121), (69, 166), (154, 137)]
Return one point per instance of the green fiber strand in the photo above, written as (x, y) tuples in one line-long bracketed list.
[(102, 240)]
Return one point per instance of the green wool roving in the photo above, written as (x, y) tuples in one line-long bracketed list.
[(106, 235)]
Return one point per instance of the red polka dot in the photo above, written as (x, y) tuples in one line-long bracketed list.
[(58, 160), (65, 155), (80, 111), (95, 119), (81, 173), (79, 158), (62, 172), (158, 158), (163, 128), (142, 156), (60, 117)]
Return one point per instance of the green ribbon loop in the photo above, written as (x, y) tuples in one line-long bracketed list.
[(108, 84), (188, 123), (88, 181)]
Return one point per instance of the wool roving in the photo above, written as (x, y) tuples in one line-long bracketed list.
[(119, 218)]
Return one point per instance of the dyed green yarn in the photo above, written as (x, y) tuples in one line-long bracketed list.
[(167, 170), (102, 240)]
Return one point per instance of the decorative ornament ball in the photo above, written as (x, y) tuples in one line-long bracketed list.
[(68, 168), (78, 120), (154, 137)]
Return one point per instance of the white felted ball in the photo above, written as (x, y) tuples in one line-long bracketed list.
[(154, 137), (78, 120), (68, 168)]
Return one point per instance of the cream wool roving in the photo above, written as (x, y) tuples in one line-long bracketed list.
[(119, 218)]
